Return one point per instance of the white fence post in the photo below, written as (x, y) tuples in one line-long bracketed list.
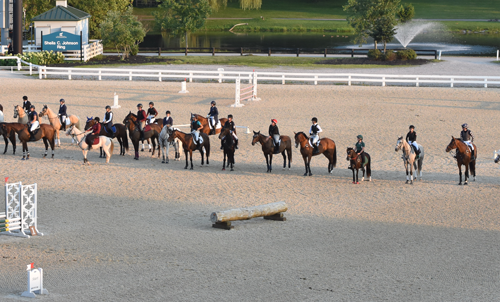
[(159, 76), (115, 101), (40, 72), (485, 83), (100, 75), (220, 74), (190, 77), (31, 69), (498, 53), (451, 82), (417, 83), (183, 87), (383, 81), (44, 71), (439, 58), (349, 82), (18, 64), (254, 89), (315, 80), (130, 75), (237, 94), (283, 80), (69, 74)]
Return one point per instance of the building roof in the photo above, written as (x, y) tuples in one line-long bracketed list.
[(61, 13)]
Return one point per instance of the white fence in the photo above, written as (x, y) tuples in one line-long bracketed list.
[(94, 48)]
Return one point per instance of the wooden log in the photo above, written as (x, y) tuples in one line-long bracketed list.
[(249, 213)]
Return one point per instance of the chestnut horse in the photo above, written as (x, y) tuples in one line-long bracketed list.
[(326, 147), (356, 164), (189, 146), (21, 116), (56, 122), (268, 149), (463, 157), (204, 122), (9, 130), (130, 122), (410, 159), (228, 146), (46, 132), (120, 135)]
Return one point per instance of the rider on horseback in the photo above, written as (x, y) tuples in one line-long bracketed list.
[(468, 138), (195, 131), (26, 104), (152, 113), (108, 121), (274, 133), (96, 129), (229, 124), (411, 138), (314, 132), (360, 148), (141, 120), (213, 117), (62, 114), (33, 123), (168, 119)]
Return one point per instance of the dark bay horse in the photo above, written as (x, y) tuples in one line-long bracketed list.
[(130, 122), (46, 132), (204, 122), (229, 147), (121, 135), (326, 146), (268, 149), (356, 164), (9, 130), (463, 157), (189, 146)]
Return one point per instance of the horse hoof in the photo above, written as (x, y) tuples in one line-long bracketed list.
[(136, 158), (407, 181), (223, 169), (23, 158), (357, 183), (305, 174), (191, 168), (142, 150), (162, 161), (149, 150), (232, 169), (310, 174), (353, 182), (459, 183), (411, 183), (466, 183)]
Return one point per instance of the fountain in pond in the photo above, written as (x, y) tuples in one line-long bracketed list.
[(406, 32)]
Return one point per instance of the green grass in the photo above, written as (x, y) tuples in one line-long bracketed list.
[(274, 25), (491, 27), (254, 61)]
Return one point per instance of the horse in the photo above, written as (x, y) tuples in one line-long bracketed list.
[(228, 145), (8, 131), (268, 149), (2, 119), (409, 157), (45, 132), (56, 123), (356, 164), (204, 122), (327, 147), (496, 156), (158, 122), (21, 116), (189, 146), (463, 157), (105, 143), (165, 144), (120, 134), (130, 122)]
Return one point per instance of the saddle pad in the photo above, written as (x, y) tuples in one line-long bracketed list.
[(200, 139), (147, 128), (218, 126), (67, 121), (96, 141), (112, 129)]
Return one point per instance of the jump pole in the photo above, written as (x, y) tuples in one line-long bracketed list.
[(237, 95)]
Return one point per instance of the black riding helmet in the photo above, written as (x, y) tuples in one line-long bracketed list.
[(139, 105), (32, 106), (62, 101), (168, 112), (230, 116), (25, 97), (151, 103), (412, 127), (107, 107), (213, 103), (314, 120), (97, 119)]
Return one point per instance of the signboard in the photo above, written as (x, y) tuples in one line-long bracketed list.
[(61, 41)]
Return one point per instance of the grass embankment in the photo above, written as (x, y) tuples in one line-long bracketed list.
[(253, 61)]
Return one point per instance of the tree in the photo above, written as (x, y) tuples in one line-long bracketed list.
[(384, 30), (365, 15), (180, 17), (250, 4), (123, 31), (406, 13)]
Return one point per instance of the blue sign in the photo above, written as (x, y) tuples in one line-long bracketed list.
[(61, 41)]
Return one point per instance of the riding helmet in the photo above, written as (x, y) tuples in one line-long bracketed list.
[(274, 121), (62, 100), (107, 107), (213, 103), (465, 126), (230, 116), (314, 120), (97, 119), (411, 126), (168, 112), (139, 105), (151, 103), (359, 137), (25, 97)]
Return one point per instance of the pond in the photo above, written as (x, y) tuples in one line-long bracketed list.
[(448, 43)]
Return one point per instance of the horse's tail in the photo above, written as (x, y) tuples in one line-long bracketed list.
[(334, 159), (208, 145), (112, 148), (125, 140), (369, 166)]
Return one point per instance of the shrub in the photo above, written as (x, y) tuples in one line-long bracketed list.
[(8, 62), (43, 57), (406, 54), (389, 55), (374, 54)]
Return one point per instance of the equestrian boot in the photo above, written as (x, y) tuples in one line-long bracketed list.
[(277, 148), (472, 155), (142, 134), (221, 144), (235, 144), (417, 153), (315, 149)]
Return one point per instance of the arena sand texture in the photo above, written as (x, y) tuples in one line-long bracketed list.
[(140, 230)]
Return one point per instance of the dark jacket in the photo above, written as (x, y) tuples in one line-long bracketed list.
[(411, 137), (467, 135), (195, 125), (62, 110), (168, 121), (274, 130), (230, 125), (141, 115), (33, 116), (108, 116), (26, 105), (214, 112), (152, 111)]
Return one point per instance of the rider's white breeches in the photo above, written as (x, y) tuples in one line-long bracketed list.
[(34, 126), (276, 138), (414, 145), (468, 143), (314, 139), (196, 135)]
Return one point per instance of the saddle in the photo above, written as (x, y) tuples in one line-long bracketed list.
[(200, 139), (217, 126), (147, 128), (112, 128), (34, 135)]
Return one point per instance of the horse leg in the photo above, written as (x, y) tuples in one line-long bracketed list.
[(108, 155), (149, 144), (232, 159), (25, 147), (186, 154), (466, 182), (224, 161), (85, 161), (305, 164), (284, 159), (411, 172), (46, 143), (353, 174), (136, 149), (363, 169), (267, 162), (406, 168), (309, 164), (270, 162), (357, 176), (101, 152), (6, 143), (191, 158), (202, 157), (13, 141), (460, 173)]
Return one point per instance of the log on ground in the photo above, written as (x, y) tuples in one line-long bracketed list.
[(249, 213)]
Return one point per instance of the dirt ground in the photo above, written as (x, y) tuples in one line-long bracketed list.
[(140, 230)]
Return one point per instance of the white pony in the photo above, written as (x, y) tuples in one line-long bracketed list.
[(496, 156), (409, 159), (105, 142), (164, 135), (1, 117)]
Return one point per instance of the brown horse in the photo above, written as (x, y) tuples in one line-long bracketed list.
[(130, 122), (228, 145), (204, 123), (463, 158), (46, 132), (9, 130), (268, 149), (120, 135), (356, 164), (189, 146), (326, 147)]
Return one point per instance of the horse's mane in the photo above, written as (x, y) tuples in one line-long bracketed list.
[(302, 134), (350, 148)]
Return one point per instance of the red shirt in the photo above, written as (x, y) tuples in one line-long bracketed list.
[(96, 129)]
